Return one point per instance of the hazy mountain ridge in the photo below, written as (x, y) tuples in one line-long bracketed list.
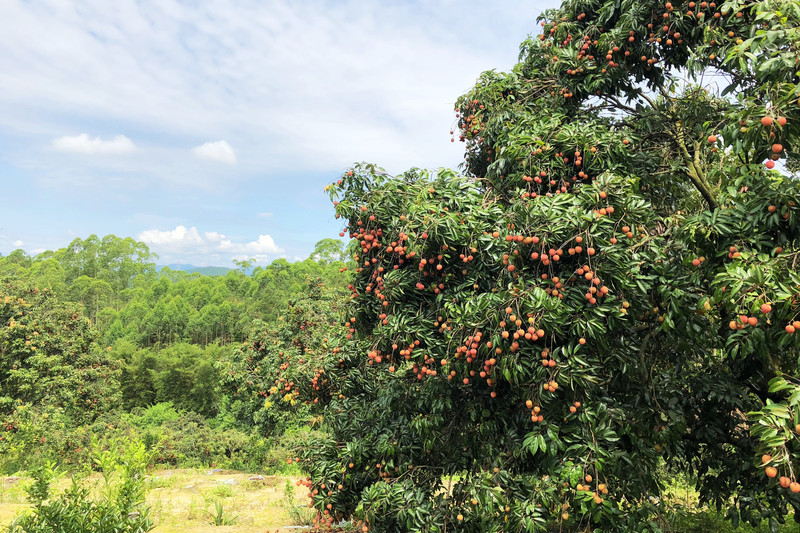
[(192, 269)]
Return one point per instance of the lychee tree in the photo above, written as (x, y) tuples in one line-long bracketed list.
[(604, 293), (279, 376), (52, 374)]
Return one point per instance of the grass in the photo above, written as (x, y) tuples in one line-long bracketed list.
[(193, 500), (12, 500), (690, 518), (709, 521), (222, 491)]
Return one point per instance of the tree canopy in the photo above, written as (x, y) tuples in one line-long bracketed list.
[(120, 291), (608, 290)]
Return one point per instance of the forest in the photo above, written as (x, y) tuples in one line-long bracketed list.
[(590, 326), (111, 345)]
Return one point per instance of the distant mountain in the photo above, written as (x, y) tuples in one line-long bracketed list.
[(191, 269), (209, 271)]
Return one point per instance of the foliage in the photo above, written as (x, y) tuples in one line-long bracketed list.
[(120, 506), (165, 334), (52, 373), (277, 377), (777, 426), (218, 516), (177, 439), (121, 293), (91, 270), (711, 521), (34, 436), (300, 514), (611, 285), (182, 373), (185, 439), (47, 356)]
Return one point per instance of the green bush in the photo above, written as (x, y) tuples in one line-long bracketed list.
[(153, 416), (182, 374), (178, 439), (120, 506), (300, 514), (184, 439)]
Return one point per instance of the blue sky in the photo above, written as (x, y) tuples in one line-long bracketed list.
[(209, 129)]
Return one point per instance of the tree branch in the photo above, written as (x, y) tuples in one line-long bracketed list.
[(620, 105), (695, 168)]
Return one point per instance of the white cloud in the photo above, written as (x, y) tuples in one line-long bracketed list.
[(322, 83), (301, 90), (264, 244), (18, 244), (179, 236), (83, 144), (219, 151), (199, 247), (261, 259)]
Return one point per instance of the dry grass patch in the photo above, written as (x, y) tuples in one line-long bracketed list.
[(192, 500)]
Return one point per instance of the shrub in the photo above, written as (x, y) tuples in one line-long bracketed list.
[(120, 507)]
